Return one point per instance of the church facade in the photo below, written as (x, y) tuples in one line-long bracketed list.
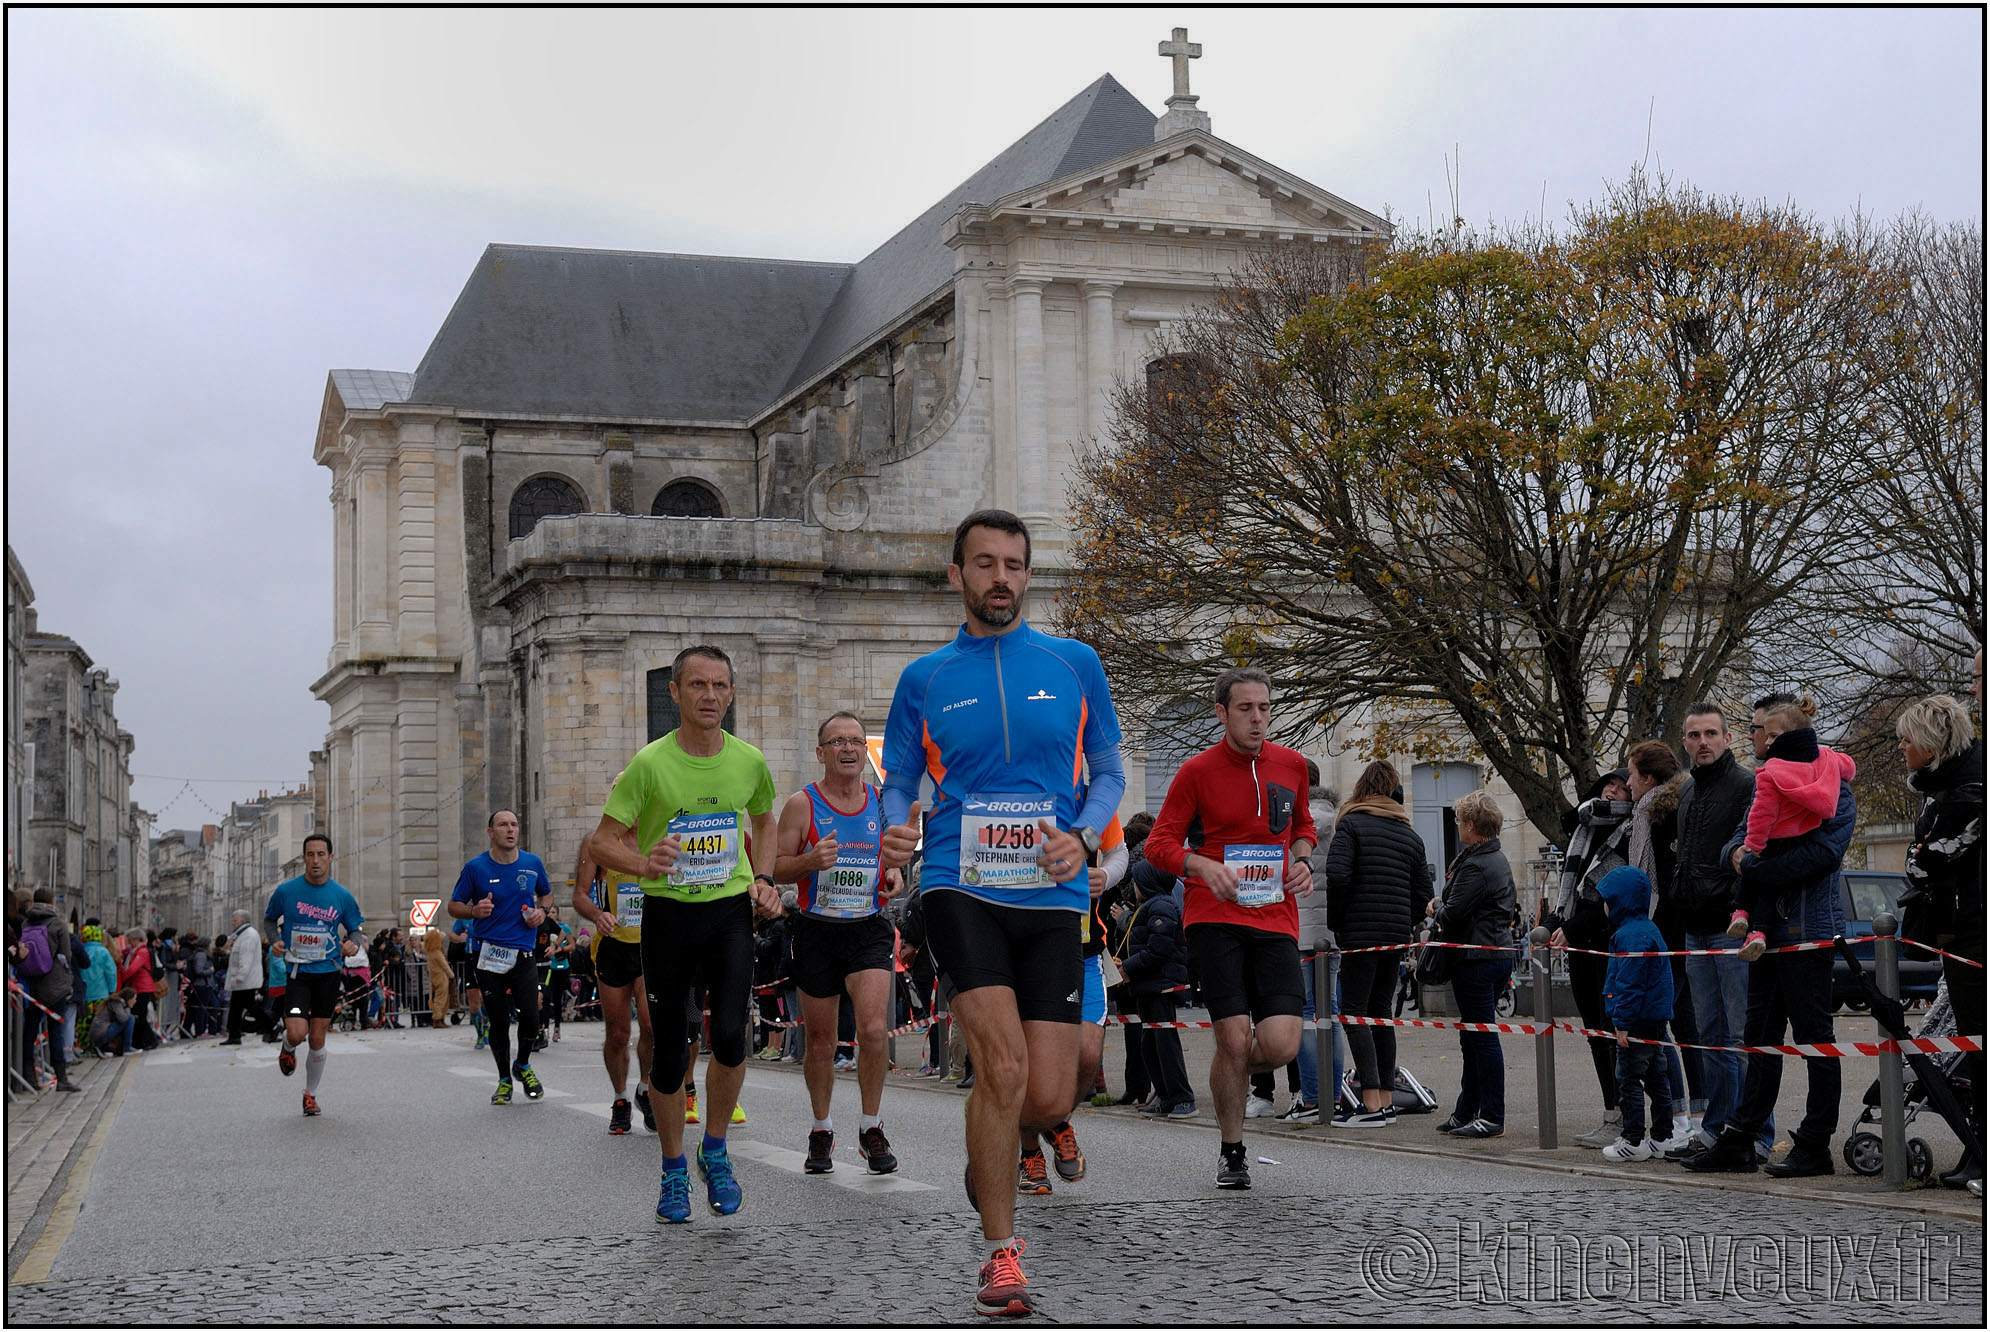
[(605, 457)]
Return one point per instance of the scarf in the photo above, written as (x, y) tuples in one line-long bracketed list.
[(1379, 805)]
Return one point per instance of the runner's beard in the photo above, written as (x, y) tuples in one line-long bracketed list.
[(995, 617)]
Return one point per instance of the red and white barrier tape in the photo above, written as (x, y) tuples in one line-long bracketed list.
[(1833, 1050), (1806, 947)]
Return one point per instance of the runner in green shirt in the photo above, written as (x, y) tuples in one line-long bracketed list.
[(691, 798)]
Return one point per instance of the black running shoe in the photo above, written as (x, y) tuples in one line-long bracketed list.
[(821, 1145), (618, 1116), (873, 1146), (1234, 1173), (643, 1106)]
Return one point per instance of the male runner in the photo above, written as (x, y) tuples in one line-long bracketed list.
[(614, 902), (689, 797), (505, 891), (310, 910), (1032, 1176), (1005, 720), (1242, 922), (829, 837)]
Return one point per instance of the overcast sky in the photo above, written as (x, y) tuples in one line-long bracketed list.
[(208, 210)]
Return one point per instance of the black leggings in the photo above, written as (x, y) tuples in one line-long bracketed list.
[(1368, 989), (514, 991), (691, 945)]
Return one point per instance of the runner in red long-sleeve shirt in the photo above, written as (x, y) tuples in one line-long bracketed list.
[(1249, 796)]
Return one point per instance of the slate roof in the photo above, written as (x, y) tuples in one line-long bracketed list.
[(1097, 125), (622, 335), (625, 335)]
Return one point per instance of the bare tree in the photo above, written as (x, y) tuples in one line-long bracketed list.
[(1546, 489)]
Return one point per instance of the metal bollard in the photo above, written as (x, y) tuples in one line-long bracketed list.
[(1326, 970), (1892, 1096), (1544, 1043)]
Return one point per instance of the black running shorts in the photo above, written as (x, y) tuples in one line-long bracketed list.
[(826, 951), (617, 964), (313, 994), (1031, 951), (1243, 970)]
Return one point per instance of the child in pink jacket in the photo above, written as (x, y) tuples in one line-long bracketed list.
[(1796, 790)]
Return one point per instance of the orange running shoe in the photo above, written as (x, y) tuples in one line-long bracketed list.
[(1005, 1291), (1070, 1161), (310, 1104), (1032, 1176)]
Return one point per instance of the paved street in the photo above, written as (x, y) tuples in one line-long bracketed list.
[(413, 1199)]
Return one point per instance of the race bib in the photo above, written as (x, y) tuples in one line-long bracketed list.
[(1260, 872), (629, 905), (310, 945), (708, 850), (1000, 840), (849, 888), (494, 958)]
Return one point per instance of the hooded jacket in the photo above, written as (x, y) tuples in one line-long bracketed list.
[(1797, 788), (55, 987), (1805, 876), (1635, 989), (1156, 957)]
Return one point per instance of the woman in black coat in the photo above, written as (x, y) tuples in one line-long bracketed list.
[(1477, 909), (1943, 903), (1378, 885)]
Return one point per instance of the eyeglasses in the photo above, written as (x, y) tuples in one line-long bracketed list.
[(1758, 726), (843, 742)]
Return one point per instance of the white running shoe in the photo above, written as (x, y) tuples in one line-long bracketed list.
[(1621, 1150), (1257, 1107)]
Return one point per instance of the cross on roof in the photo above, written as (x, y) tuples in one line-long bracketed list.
[(1182, 50)]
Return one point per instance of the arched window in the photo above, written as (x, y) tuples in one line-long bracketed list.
[(542, 497), (687, 499)]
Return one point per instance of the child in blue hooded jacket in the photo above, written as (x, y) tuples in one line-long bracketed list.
[(1637, 996)]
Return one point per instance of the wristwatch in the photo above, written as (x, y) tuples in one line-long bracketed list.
[(1090, 838)]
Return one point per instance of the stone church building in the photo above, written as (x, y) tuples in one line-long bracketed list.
[(606, 456)]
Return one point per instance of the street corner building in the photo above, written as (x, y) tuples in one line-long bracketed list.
[(605, 456)]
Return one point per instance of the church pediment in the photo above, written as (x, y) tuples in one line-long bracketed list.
[(1191, 182)]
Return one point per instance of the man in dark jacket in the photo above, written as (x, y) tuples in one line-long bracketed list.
[(1791, 991), (53, 988), (1712, 805)]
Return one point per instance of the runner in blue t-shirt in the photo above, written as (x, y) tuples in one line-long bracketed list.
[(506, 892), (303, 917)]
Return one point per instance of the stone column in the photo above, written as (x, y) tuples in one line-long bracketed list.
[(1032, 412), (1101, 361), (342, 588), (373, 544), (414, 545)]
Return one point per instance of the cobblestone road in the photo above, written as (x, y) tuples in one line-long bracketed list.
[(413, 1201)]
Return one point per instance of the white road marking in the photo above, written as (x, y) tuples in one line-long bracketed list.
[(848, 1174)]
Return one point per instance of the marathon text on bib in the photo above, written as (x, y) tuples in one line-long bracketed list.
[(497, 959), (629, 904), (1000, 840), (708, 849), (1260, 872), (310, 945)]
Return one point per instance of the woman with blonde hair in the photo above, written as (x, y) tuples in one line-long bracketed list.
[(1943, 903), (1477, 908)]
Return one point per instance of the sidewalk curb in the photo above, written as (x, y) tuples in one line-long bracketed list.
[(1959, 1208)]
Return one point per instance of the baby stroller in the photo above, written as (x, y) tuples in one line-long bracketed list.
[(1931, 1082)]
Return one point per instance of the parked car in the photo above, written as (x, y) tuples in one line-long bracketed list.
[(1867, 894)]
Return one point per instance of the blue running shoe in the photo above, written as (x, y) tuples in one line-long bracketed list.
[(721, 1189), (673, 1201)]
